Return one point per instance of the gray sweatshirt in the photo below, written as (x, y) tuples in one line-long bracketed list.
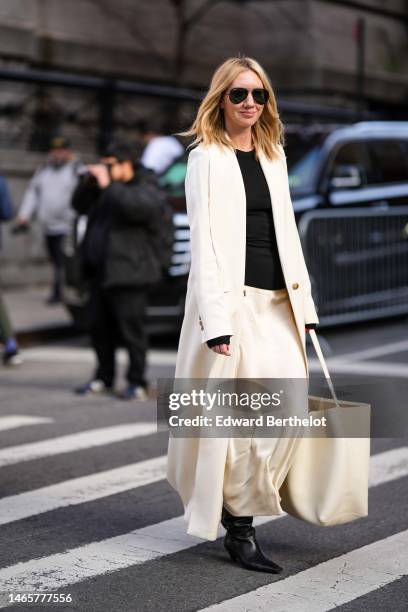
[(49, 195)]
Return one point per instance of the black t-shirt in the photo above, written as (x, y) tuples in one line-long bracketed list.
[(262, 266)]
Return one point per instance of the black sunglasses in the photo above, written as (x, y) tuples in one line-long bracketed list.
[(239, 94)]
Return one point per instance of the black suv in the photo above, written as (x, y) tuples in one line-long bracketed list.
[(350, 197)]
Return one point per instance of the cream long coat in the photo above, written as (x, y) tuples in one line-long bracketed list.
[(216, 208)]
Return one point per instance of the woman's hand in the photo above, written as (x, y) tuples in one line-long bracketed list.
[(220, 344), (222, 349)]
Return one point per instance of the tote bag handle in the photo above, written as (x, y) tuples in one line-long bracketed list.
[(322, 360)]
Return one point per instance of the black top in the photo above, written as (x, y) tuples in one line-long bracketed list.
[(262, 267)]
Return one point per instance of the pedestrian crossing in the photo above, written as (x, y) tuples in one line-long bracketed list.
[(323, 586), (384, 467), (81, 490), (82, 355), (74, 442), (329, 584), (13, 421)]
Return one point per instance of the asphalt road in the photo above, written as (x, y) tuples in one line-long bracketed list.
[(85, 509)]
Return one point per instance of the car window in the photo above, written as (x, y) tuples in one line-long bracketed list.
[(173, 179), (352, 154), (390, 161), (302, 173)]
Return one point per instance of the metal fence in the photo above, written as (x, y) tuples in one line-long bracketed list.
[(36, 105), (181, 248), (358, 262)]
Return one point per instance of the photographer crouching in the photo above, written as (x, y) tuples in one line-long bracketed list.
[(120, 262)]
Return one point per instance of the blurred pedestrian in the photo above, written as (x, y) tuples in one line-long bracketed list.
[(11, 355), (120, 262), (160, 151), (49, 195)]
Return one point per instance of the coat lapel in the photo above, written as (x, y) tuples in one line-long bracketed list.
[(234, 193), (274, 175), (275, 178)]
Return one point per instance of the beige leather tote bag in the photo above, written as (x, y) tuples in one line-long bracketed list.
[(327, 483)]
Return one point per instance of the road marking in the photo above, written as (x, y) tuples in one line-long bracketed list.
[(21, 420), (342, 363), (387, 466), (373, 368), (86, 355), (330, 584), (374, 351), (81, 490), (75, 442), (147, 543), (98, 558)]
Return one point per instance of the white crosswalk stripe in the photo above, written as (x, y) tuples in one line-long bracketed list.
[(85, 355), (379, 350), (75, 442), (370, 368), (154, 541), (13, 421), (388, 466), (81, 490), (330, 584)]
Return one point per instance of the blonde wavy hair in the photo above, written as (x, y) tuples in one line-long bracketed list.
[(209, 125)]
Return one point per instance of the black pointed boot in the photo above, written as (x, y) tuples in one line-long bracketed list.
[(241, 543)]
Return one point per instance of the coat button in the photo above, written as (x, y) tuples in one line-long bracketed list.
[(295, 286)]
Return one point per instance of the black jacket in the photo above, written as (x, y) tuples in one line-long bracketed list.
[(118, 250)]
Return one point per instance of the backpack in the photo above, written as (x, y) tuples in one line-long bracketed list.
[(163, 234)]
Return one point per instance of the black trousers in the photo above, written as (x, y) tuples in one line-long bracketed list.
[(54, 246), (118, 316)]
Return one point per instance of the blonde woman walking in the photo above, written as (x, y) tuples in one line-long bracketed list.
[(248, 303)]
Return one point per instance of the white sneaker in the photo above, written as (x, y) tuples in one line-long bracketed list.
[(135, 392), (93, 386), (12, 359)]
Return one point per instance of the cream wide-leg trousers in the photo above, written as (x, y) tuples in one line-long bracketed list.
[(268, 347), (244, 474)]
